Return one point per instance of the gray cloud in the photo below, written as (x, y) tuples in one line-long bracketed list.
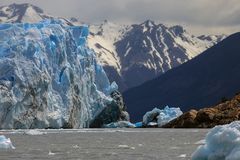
[(201, 13)]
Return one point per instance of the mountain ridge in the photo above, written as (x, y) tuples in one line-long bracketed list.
[(200, 82), (140, 52)]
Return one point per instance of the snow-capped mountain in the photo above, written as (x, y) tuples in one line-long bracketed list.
[(130, 54), (21, 13), (25, 13), (133, 54), (200, 82)]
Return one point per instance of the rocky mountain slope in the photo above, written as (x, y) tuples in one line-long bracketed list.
[(133, 54), (198, 83), (130, 54), (223, 113)]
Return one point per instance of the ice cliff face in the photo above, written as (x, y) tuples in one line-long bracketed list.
[(50, 79)]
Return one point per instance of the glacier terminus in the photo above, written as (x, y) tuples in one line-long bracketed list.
[(51, 79)]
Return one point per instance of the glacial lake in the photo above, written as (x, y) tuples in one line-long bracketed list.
[(104, 144)]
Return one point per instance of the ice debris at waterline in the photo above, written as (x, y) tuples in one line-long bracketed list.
[(34, 132), (5, 143), (222, 143), (158, 117), (49, 78), (120, 124)]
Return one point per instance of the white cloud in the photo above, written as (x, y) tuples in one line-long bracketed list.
[(200, 13)]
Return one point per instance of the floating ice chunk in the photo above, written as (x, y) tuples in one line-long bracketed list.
[(140, 145), (161, 117), (182, 156), (138, 124), (203, 141), (222, 143), (34, 132), (120, 124), (50, 153), (5, 143), (126, 147), (123, 146)]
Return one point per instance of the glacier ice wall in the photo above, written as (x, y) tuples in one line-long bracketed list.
[(49, 78)]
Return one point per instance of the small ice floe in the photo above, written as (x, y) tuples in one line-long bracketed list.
[(34, 132), (222, 143), (140, 145), (152, 124), (138, 125), (50, 153), (182, 156), (120, 124), (5, 143), (203, 141), (126, 147), (123, 146), (76, 146)]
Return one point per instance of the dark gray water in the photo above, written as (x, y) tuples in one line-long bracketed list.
[(104, 144)]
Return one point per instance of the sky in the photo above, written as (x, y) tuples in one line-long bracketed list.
[(198, 16)]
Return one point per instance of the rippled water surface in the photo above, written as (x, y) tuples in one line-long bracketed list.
[(104, 144)]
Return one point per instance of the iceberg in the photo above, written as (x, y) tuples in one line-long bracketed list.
[(158, 117), (120, 124), (222, 143), (49, 78), (5, 143)]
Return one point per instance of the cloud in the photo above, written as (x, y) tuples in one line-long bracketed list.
[(220, 13)]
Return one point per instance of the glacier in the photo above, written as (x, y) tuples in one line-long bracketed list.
[(49, 78), (222, 143), (160, 117)]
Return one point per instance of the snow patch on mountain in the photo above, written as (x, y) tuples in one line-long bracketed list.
[(102, 39)]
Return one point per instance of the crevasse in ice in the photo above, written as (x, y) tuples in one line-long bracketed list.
[(161, 117), (49, 78), (222, 143)]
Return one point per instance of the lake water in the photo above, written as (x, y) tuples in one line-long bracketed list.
[(104, 144)]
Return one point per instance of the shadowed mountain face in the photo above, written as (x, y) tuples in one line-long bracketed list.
[(200, 82)]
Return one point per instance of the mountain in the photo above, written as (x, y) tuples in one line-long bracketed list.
[(130, 54), (25, 13), (198, 83), (133, 54), (21, 13), (49, 78)]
